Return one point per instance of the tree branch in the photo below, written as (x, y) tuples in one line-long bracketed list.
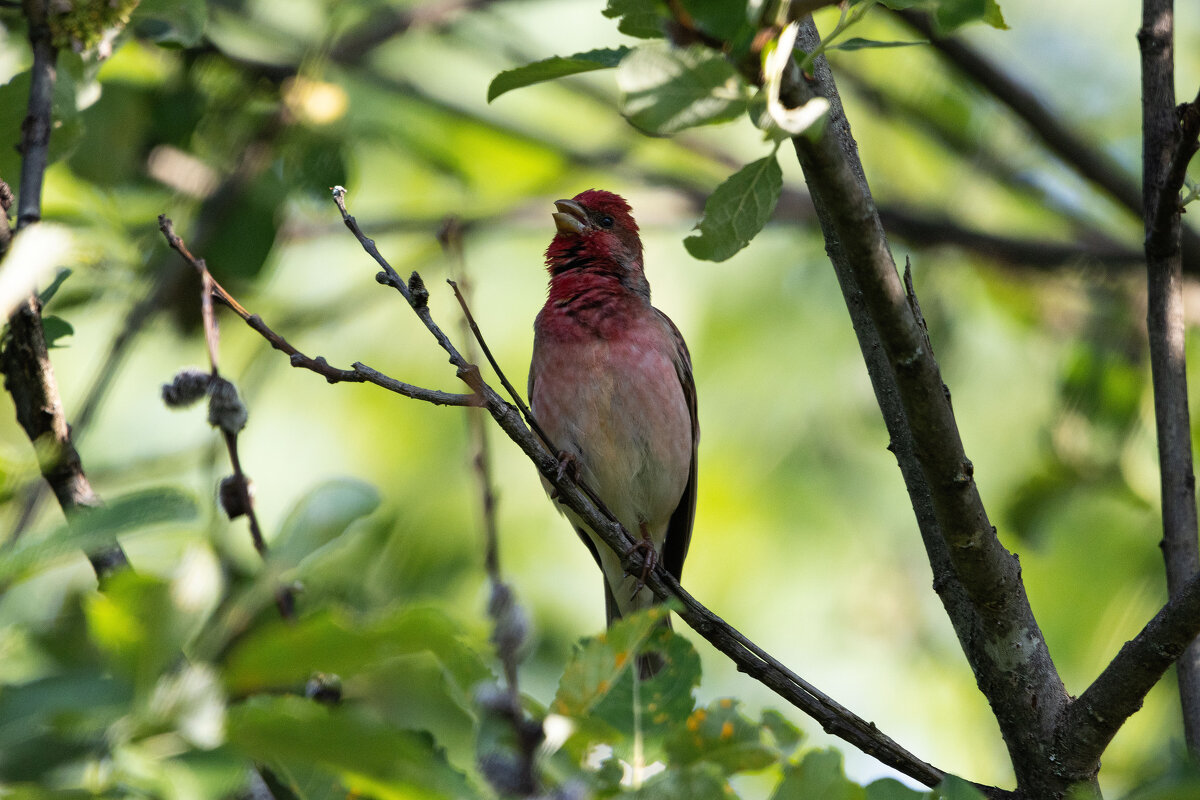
[(25, 359), (1162, 150), (1089, 163), (978, 580)]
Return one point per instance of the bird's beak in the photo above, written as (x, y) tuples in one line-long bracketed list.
[(570, 217)]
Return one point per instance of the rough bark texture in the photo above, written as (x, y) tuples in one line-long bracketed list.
[(1165, 325), (978, 580)]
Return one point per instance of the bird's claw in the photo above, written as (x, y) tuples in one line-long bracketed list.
[(649, 560), (567, 465)]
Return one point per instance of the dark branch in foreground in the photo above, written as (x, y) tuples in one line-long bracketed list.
[(25, 360)]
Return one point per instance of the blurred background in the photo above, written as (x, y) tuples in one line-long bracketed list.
[(1027, 270)]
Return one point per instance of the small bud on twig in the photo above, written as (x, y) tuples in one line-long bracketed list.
[(416, 288), (225, 409), (325, 688), (188, 386), (233, 498)]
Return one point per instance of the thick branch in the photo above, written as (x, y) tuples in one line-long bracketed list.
[(1161, 147), (999, 634)]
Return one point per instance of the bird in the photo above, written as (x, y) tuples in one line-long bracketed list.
[(611, 386)]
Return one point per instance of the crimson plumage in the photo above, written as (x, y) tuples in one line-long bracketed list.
[(611, 384)]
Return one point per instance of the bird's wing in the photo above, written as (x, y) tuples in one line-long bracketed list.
[(679, 530)]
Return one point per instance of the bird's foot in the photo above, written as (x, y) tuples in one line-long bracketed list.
[(568, 465), (649, 559)]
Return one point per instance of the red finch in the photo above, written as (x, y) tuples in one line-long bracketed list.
[(611, 385)]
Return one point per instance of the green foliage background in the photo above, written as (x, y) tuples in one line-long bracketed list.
[(804, 539)]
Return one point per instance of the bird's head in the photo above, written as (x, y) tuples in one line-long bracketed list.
[(596, 231)]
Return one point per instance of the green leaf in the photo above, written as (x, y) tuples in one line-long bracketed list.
[(818, 775), (667, 90), (949, 15), (858, 43), (737, 210), (367, 754), (55, 328), (320, 517), (171, 23), (719, 18), (722, 735), (142, 626), (697, 782), (786, 735), (557, 67), (994, 17), (597, 685), (953, 787), (98, 526), (47, 294), (638, 18), (14, 104), (892, 789), (286, 654)]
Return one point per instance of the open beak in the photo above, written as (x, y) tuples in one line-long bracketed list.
[(570, 217)]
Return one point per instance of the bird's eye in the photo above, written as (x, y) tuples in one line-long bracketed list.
[(606, 221)]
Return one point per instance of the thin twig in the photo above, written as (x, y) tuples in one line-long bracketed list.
[(240, 484)]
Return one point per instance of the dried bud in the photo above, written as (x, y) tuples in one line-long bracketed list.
[(325, 688), (233, 498), (187, 387), (511, 625), (417, 290), (225, 408)]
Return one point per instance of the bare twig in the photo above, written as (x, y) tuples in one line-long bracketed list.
[(509, 625), (236, 497), (1163, 168)]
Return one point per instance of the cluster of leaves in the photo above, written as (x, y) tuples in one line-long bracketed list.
[(187, 688), (666, 89)]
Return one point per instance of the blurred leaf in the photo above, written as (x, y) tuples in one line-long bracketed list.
[(722, 735), (949, 15), (737, 210), (597, 685), (347, 741), (668, 90), (140, 625), (321, 516), (892, 789), (786, 735), (858, 43), (953, 787), (719, 18), (55, 328), (818, 775), (286, 654), (171, 23), (14, 104), (557, 67), (255, 210), (697, 782), (47, 294), (638, 18), (97, 527)]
